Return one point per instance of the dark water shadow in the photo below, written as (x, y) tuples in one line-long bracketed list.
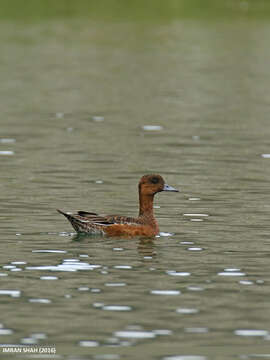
[(146, 246)]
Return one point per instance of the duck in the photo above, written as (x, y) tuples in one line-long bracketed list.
[(145, 225)]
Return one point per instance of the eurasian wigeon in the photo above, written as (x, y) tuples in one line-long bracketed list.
[(114, 225)]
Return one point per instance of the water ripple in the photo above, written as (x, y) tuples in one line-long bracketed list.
[(115, 284), (7, 141), (184, 357), (152, 128), (225, 273), (88, 343), (196, 330), (135, 334), (187, 311), (48, 278), (6, 152), (177, 273), (251, 332), (124, 267), (116, 308), (41, 301), (67, 265), (162, 332), (50, 251), (6, 332), (12, 293), (165, 292)]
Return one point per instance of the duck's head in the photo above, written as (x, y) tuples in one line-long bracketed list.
[(152, 184)]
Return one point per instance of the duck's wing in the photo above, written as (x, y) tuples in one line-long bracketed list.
[(85, 221), (108, 219)]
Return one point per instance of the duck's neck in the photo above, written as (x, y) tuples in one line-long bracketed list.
[(146, 205)]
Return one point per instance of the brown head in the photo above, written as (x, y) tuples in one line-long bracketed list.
[(152, 184)]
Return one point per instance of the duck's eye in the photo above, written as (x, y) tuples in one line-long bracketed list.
[(154, 180)]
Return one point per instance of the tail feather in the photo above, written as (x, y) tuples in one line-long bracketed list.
[(81, 225), (76, 223)]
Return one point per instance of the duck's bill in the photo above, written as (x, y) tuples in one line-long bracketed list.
[(169, 188)]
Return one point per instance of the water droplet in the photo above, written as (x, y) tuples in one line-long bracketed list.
[(124, 267), (18, 262), (83, 288), (118, 249), (194, 198)]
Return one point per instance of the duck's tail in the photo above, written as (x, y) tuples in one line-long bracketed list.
[(76, 223)]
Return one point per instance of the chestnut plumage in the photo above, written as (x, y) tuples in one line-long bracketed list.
[(115, 225)]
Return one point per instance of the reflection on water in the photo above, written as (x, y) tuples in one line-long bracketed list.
[(92, 98)]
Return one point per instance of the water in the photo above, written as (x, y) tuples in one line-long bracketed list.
[(91, 101)]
